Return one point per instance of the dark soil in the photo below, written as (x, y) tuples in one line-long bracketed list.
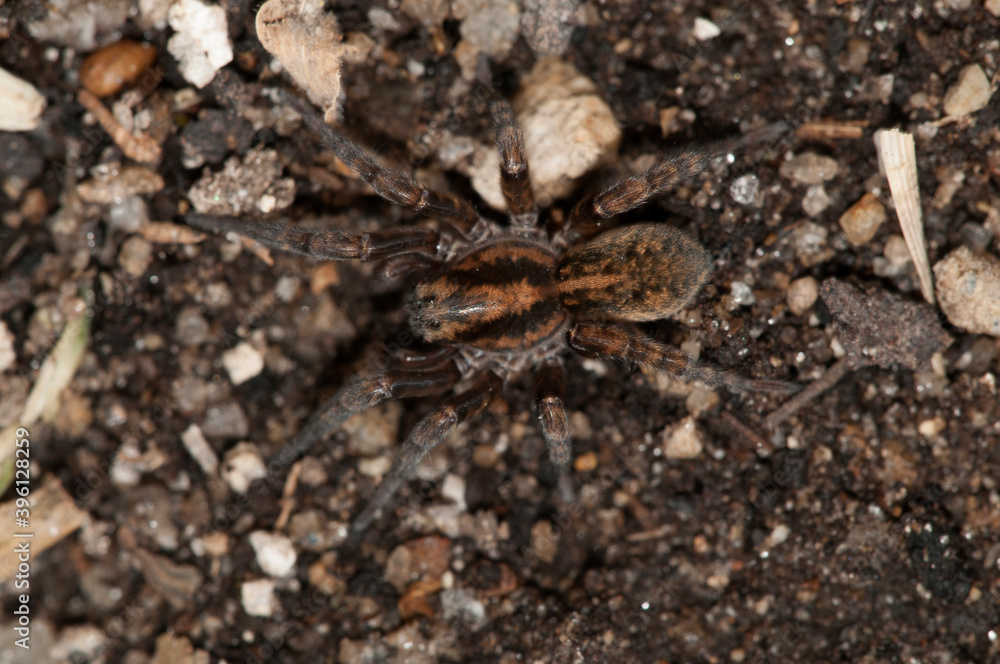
[(864, 527)]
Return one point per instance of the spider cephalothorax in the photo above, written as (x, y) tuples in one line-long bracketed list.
[(502, 300)]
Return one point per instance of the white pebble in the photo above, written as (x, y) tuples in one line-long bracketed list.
[(809, 168), (705, 29), (967, 287), (861, 221), (816, 201), (20, 103), (199, 449), (802, 294), (258, 598), (453, 488), (243, 362), (375, 467), (779, 535), (242, 465), (275, 553), (683, 440), (8, 356), (201, 43), (971, 93)]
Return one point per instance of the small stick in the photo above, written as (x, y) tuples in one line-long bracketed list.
[(811, 391)]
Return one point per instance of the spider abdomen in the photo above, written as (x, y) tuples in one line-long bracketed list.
[(499, 298), (639, 273)]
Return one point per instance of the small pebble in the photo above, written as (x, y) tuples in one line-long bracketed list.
[(7, 354), (802, 294), (816, 201), (225, 420), (375, 466), (243, 362), (375, 430), (136, 255), (200, 42), (809, 168), (199, 449), (258, 598), (422, 559), (705, 29), (313, 474), (742, 294), (701, 401), (20, 103), (778, 536), (107, 70), (461, 604), (453, 489), (896, 251), (242, 465), (191, 327), (274, 551), (745, 189), (683, 440), (120, 183), (862, 220), (967, 287), (993, 7), (931, 427), (971, 93), (585, 463)]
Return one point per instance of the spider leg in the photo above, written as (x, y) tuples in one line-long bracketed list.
[(326, 244), (608, 340), (389, 183), (550, 390), (591, 214), (514, 181), (364, 393), (425, 436)]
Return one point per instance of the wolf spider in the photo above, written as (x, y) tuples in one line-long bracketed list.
[(499, 300)]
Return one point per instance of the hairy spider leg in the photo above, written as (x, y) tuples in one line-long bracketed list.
[(550, 393), (609, 341), (590, 216), (363, 393), (515, 182), (426, 435), (326, 244), (389, 183)]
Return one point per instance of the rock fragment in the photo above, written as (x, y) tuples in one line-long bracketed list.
[(969, 94), (201, 40), (967, 288), (862, 220), (878, 327)]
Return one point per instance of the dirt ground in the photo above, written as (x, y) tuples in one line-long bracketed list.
[(863, 527)]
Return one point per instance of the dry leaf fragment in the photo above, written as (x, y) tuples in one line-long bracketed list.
[(897, 155), (307, 42), (53, 516)]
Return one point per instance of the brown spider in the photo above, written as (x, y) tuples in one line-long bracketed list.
[(499, 300)]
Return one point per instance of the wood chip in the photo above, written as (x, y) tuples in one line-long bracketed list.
[(827, 130), (53, 516), (165, 232), (897, 155)]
